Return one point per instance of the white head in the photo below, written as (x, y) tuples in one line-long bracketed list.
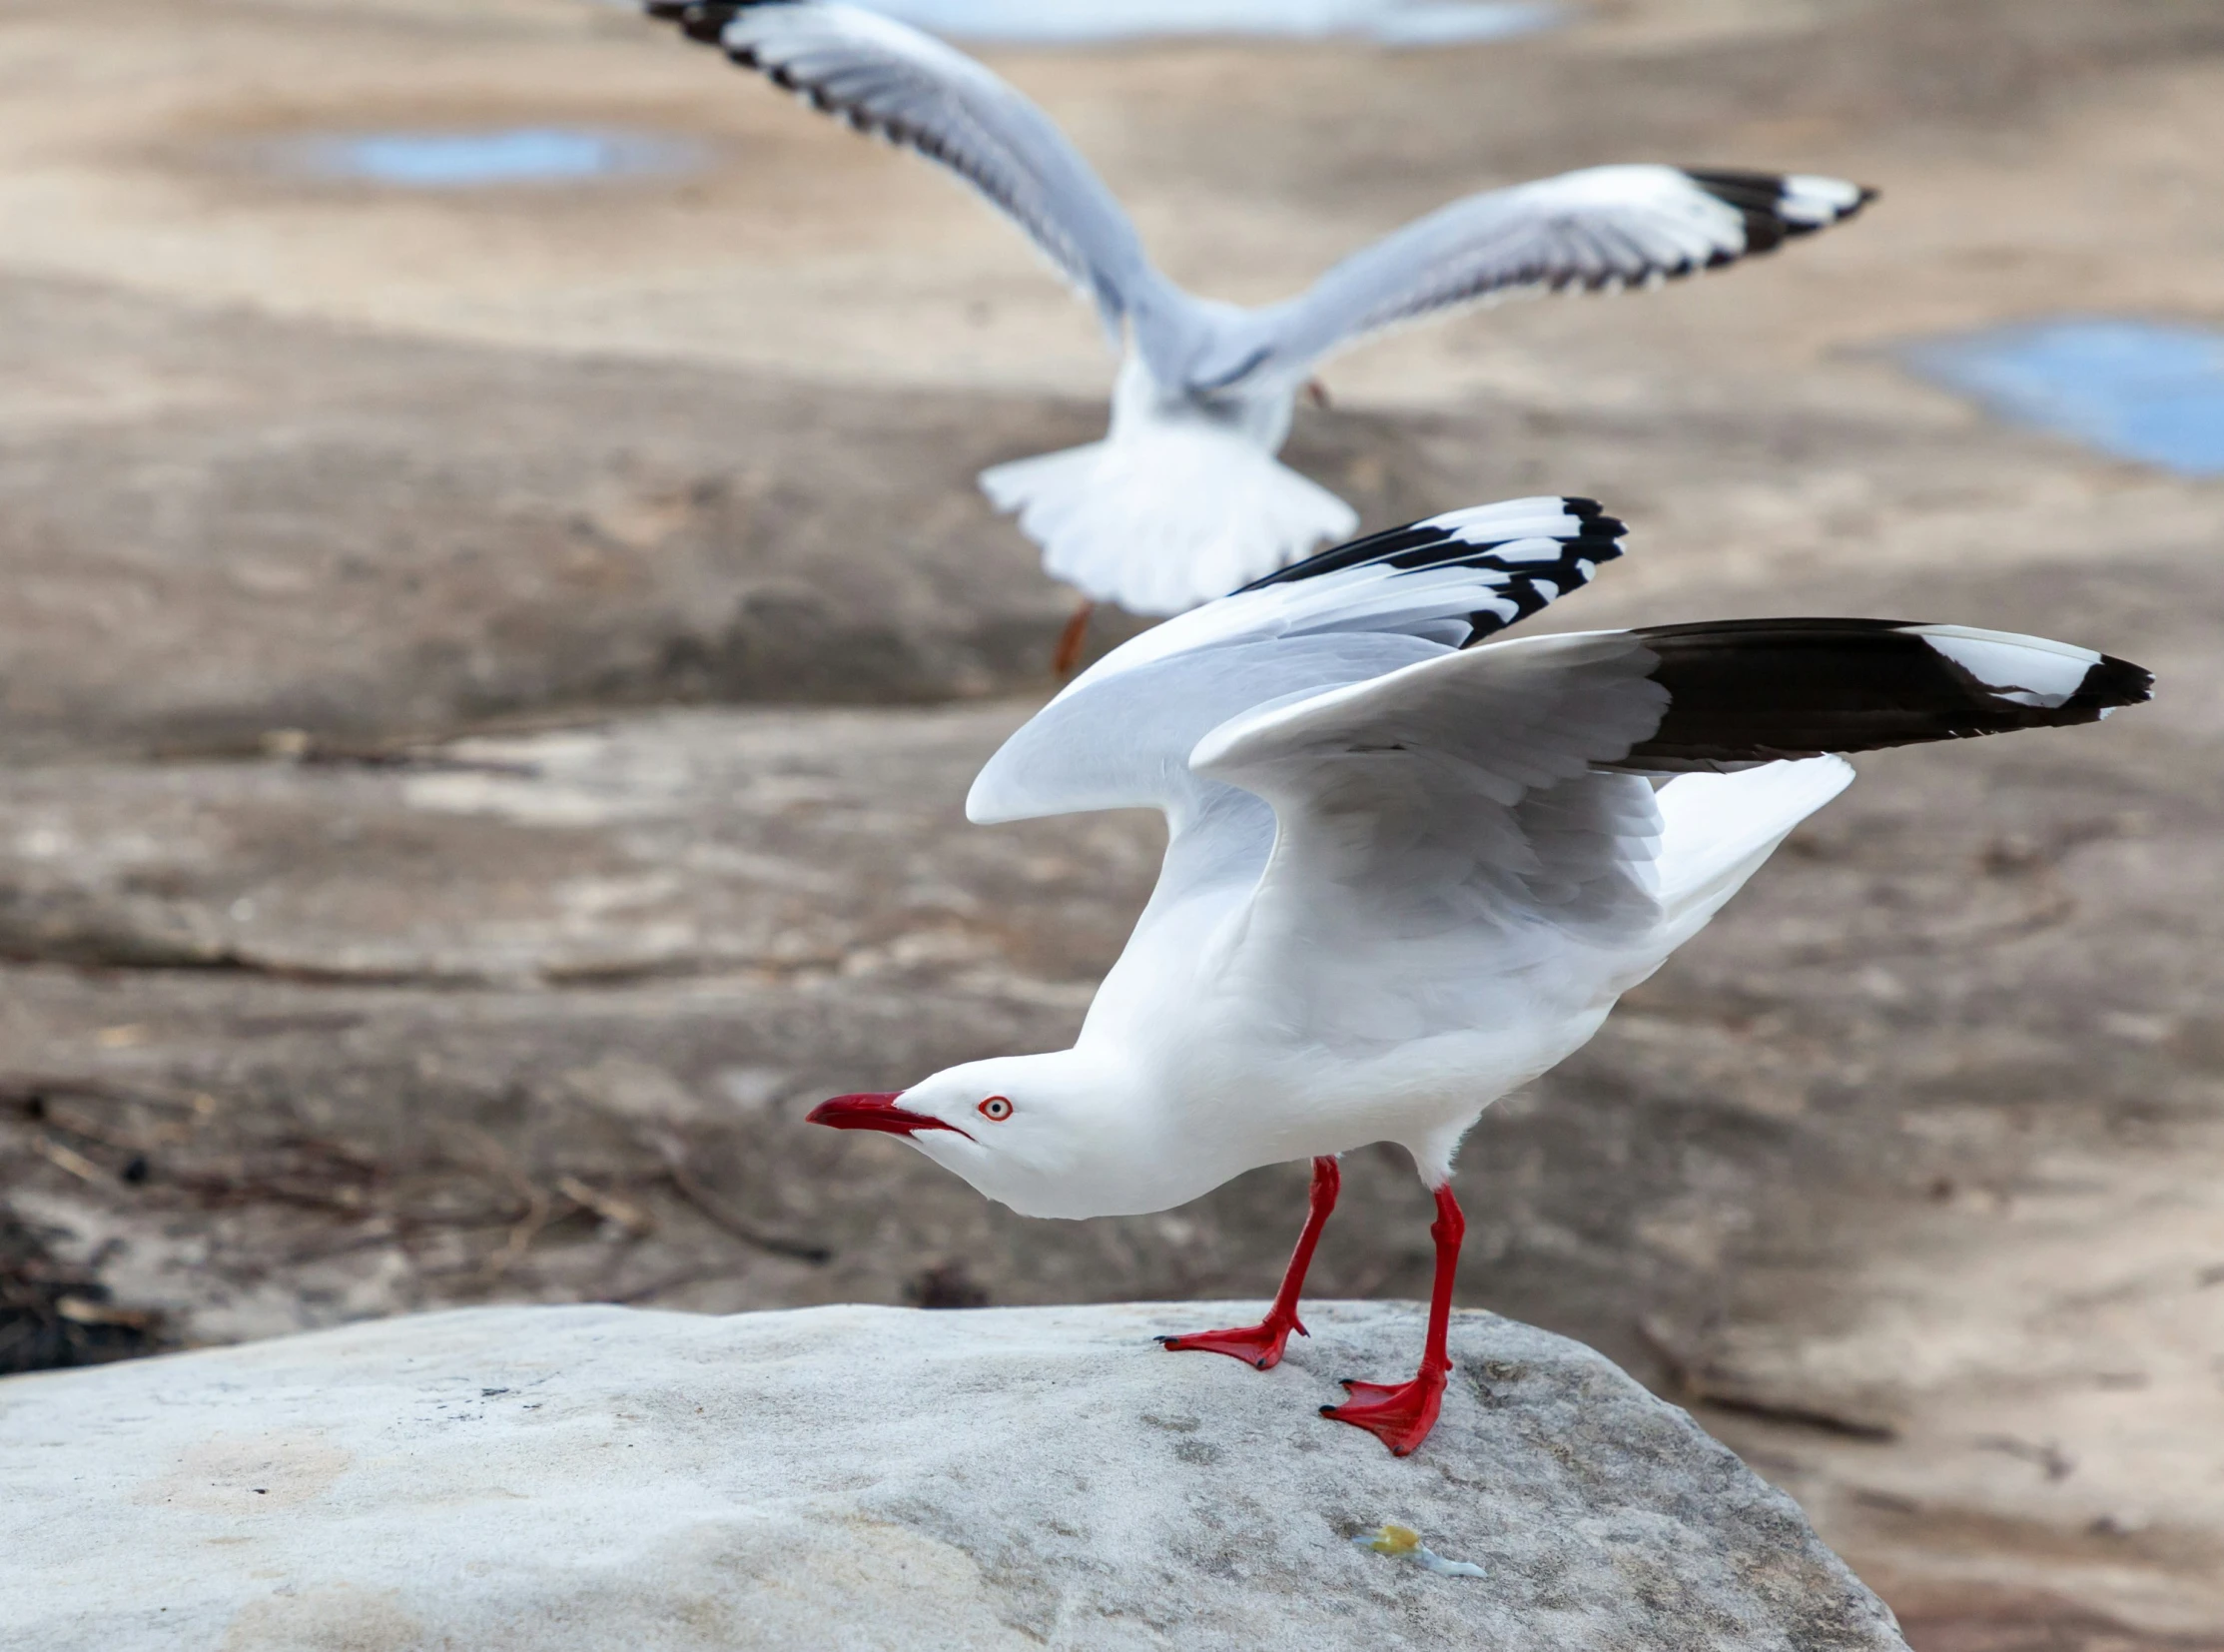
[(1050, 1136)]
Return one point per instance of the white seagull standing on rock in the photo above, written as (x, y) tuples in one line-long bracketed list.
[(1183, 501), (1406, 873)]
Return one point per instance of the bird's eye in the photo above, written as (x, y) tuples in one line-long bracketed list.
[(998, 1108)]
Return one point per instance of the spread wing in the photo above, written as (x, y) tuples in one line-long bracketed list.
[(884, 77), (1596, 230), (1461, 821), (1121, 734)]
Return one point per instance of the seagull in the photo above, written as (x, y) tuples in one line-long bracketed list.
[(1410, 868), (1184, 500)]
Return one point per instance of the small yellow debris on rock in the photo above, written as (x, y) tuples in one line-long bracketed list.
[(1404, 1543)]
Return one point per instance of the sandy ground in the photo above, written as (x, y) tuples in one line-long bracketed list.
[(381, 936)]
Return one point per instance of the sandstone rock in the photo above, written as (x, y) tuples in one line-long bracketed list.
[(782, 844), (589, 1477)]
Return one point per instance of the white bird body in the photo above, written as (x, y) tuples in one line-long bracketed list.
[(1242, 1026), (1408, 870), (1183, 501), (1183, 498)]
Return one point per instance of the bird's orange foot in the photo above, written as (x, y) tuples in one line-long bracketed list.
[(1400, 1414), (1259, 1345)]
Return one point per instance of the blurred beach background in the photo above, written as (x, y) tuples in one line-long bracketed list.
[(496, 626)]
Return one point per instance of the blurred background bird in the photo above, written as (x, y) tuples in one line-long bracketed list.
[(1183, 501)]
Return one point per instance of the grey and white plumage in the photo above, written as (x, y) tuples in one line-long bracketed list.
[(1411, 864), (1183, 501)]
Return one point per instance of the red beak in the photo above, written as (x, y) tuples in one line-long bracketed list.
[(873, 1112)]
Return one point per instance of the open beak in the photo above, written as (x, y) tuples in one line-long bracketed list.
[(878, 1112)]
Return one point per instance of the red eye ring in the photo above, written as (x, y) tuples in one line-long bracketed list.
[(996, 1107)]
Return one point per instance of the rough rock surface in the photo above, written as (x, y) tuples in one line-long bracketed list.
[(572, 1479), (217, 527)]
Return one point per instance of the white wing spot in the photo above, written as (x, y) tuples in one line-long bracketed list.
[(1531, 551), (2029, 671)]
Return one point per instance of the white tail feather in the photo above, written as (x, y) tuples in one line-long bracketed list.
[(1164, 518)]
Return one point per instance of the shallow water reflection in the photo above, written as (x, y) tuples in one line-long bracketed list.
[(485, 160), (2146, 390)]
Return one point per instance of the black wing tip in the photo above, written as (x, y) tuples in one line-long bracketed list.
[(1600, 535), (1430, 541), (705, 21), (1594, 523), (2111, 684), (1520, 585), (1758, 198), (2108, 685), (702, 21), (1743, 691), (676, 11)]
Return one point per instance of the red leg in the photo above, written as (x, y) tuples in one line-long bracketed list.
[(1261, 1345), (1070, 639), (1401, 1414)]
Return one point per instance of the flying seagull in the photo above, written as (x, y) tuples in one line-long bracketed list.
[(1183, 501), (1409, 868)]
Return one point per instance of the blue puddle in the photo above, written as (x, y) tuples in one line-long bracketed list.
[(1070, 22), (489, 160), (2145, 390)]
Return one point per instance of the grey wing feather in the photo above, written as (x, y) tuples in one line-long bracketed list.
[(1463, 789), (1598, 229), (1443, 835), (1121, 734), (885, 77), (1123, 741)]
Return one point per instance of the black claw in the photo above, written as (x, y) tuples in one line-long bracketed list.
[(1328, 1410), (1259, 1364)]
